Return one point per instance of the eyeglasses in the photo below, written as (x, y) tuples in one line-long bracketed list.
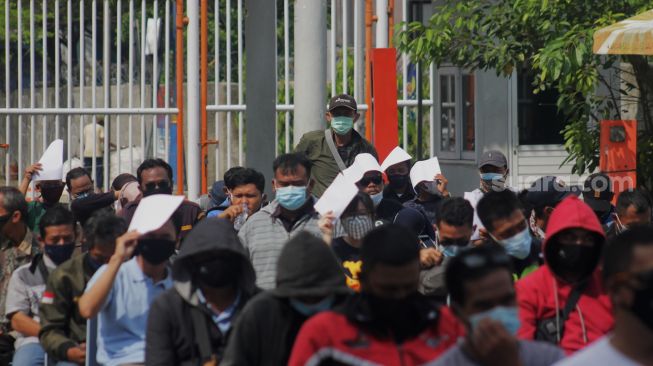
[(164, 184), (376, 180)]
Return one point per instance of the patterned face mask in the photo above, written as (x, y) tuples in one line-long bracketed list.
[(357, 226)]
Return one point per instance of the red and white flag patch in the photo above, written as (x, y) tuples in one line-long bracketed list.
[(48, 298)]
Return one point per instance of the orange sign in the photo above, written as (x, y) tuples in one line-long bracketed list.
[(618, 157)]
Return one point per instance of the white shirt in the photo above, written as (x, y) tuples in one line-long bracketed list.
[(599, 353), (88, 141)]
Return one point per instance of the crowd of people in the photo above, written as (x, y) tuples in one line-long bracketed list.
[(352, 262)]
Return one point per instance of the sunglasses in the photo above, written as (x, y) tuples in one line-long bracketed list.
[(164, 184), (376, 180)]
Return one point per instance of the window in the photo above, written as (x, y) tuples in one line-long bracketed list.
[(539, 120), (456, 108)]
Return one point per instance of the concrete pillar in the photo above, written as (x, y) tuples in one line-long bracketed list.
[(193, 106), (310, 66)]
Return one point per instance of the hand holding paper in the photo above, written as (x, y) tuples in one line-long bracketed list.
[(153, 211), (337, 197), (425, 171), (51, 163)]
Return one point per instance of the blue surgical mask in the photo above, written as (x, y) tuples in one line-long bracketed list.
[(312, 309), (505, 315), (376, 198), (451, 250), (491, 176), (519, 245), (342, 124), (291, 197)]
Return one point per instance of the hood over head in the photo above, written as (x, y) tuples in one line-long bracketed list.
[(308, 267), (572, 213), (210, 237)]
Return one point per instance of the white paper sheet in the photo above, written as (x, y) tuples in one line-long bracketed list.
[(337, 196), (153, 211), (397, 155), (424, 170), (362, 164), (51, 163)]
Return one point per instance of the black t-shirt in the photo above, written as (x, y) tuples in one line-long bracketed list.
[(350, 260)]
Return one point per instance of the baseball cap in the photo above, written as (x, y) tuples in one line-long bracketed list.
[(494, 158), (597, 192), (549, 191), (343, 100)]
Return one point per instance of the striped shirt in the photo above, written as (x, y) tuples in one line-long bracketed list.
[(264, 235)]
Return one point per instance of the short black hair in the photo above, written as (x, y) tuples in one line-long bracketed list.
[(633, 197), (618, 254), (151, 164), (455, 211), (103, 228), (243, 176), (389, 244), (288, 163), (496, 205), (55, 216), (13, 200), (121, 180), (472, 264), (358, 198), (76, 173)]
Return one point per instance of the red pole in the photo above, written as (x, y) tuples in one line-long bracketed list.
[(181, 22)]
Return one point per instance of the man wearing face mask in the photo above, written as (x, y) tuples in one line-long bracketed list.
[(454, 230), (502, 216), (213, 280), (563, 301), (332, 150), (57, 240), (49, 190), (155, 177), (121, 293), (628, 278), (17, 243), (265, 232), (399, 188), (63, 329), (483, 298), (309, 281), (493, 171), (633, 208), (428, 196), (389, 322), (84, 202)]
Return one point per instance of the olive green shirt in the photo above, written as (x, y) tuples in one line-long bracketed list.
[(325, 169)]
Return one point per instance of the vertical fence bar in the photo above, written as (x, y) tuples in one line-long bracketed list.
[(193, 146), (345, 5), (82, 59), (69, 78), (286, 71), (19, 140), (204, 77), (155, 76), (142, 77), (130, 83), (356, 46), (119, 82), (32, 79), (106, 83), (240, 81), (167, 79), (57, 62), (44, 68), (404, 78), (228, 74), (333, 47), (7, 98), (216, 61), (94, 86), (432, 116)]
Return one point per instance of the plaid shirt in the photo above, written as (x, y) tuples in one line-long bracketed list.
[(11, 257)]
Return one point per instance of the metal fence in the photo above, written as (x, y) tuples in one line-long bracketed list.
[(120, 70)]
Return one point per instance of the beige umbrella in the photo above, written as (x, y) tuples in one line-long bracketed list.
[(633, 36)]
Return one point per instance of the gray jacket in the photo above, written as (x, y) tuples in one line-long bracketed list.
[(264, 235)]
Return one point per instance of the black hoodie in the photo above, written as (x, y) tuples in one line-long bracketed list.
[(266, 329), (171, 337)]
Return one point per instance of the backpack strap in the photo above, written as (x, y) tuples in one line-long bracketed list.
[(328, 136), (202, 337), (574, 296)]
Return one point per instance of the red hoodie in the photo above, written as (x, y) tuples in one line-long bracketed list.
[(536, 293)]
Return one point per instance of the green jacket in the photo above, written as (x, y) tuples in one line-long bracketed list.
[(62, 327), (325, 169), (35, 210)]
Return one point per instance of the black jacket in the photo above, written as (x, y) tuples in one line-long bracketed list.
[(172, 338), (266, 329)]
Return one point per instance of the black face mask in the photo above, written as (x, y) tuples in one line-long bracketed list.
[(642, 307), (392, 312), (572, 260), (93, 263), (156, 251), (398, 181), (59, 253), (3, 220), (219, 272)]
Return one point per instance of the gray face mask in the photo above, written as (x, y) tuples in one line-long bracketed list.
[(357, 226)]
